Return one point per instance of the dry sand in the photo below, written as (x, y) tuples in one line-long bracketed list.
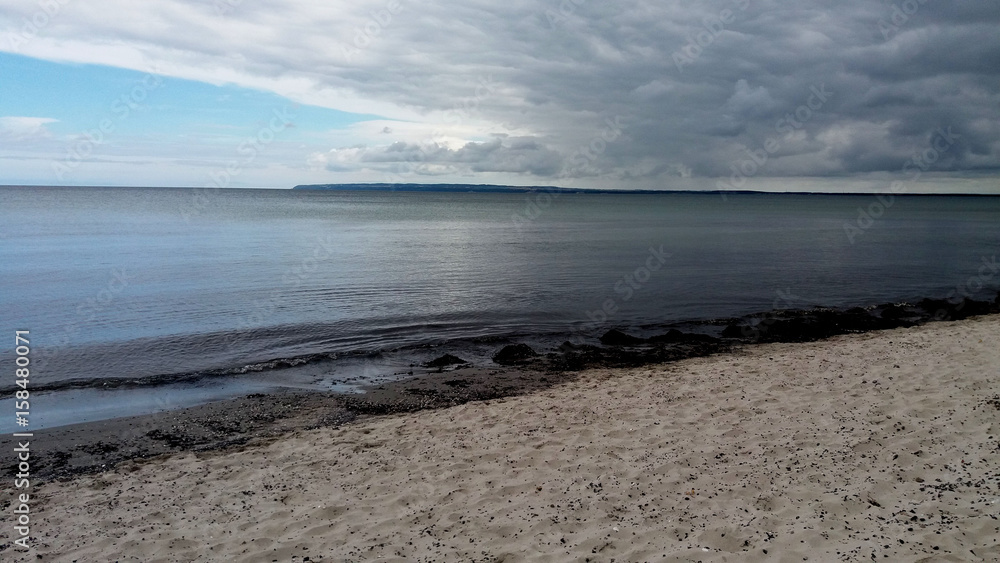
[(874, 446)]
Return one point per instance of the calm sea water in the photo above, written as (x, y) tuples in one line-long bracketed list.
[(132, 295)]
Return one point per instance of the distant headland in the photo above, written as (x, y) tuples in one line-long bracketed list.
[(493, 188), (488, 188)]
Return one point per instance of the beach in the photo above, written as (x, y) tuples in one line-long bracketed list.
[(881, 445)]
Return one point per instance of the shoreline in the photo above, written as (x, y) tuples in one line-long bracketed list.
[(87, 447), (883, 443), (775, 325), (583, 348)]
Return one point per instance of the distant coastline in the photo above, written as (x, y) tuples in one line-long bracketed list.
[(482, 188), (494, 188)]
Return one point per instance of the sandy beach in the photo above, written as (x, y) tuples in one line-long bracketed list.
[(876, 446)]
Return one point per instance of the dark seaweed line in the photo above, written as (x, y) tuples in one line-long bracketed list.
[(621, 349)]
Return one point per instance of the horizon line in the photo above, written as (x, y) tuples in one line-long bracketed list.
[(455, 187)]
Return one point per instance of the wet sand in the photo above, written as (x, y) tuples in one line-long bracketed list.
[(881, 445)]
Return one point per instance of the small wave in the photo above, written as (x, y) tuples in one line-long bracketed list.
[(192, 377)]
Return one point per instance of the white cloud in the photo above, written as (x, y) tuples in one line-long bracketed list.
[(25, 127), (514, 155), (652, 90)]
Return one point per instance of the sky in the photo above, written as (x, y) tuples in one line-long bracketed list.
[(854, 95)]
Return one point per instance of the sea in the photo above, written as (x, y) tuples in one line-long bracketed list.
[(138, 300)]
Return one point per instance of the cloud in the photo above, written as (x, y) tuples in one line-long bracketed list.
[(20, 128), (652, 90), (450, 77), (510, 155), (748, 101)]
